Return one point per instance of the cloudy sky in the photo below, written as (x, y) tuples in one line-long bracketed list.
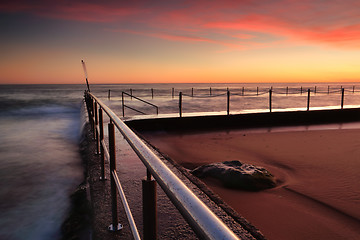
[(180, 41)]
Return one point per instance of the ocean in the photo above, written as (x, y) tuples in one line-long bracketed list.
[(40, 126)]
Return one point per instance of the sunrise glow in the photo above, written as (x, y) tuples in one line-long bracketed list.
[(180, 41)]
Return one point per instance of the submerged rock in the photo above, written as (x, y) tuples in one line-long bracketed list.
[(234, 174)]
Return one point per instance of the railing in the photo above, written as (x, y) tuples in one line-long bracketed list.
[(141, 100), (202, 220), (264, 93)]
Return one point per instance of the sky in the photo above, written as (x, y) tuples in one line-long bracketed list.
[(170, 41)]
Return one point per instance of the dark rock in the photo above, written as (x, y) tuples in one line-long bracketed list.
[(234, 174)]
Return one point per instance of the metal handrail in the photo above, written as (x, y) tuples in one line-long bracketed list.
[(132, 96), (203, 221)]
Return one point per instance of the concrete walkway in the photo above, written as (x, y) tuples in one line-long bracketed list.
[(131, 171)]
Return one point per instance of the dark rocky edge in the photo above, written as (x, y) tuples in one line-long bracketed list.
[(237, 175), (77, 225)]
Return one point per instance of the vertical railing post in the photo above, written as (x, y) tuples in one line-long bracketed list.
[(228, 102), (122, 103), (287, 91), (102, 153), (308, 100), (315, 90), (342, 97), (109, 94), (257, 90), (93, 118), (173, 92), (96, 130), (192, 92), (152, 93), (301, 90), (353, 89), (243, 91), (180, 104), (131, 93), (115, 225), (328, 89), (270, 99), (210, 91), (149, 207)]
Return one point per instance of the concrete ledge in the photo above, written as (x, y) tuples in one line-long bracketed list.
[(246, 120)]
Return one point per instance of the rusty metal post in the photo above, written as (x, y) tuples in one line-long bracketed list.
[(96, 130), (122, 102), (270, 99), (342, 97), (115, 225), (180, 104), (149, 207), (93, 125), (102, 154), (308, 100), (228, 102)]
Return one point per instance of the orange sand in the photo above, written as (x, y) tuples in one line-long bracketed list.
[(318, 196)]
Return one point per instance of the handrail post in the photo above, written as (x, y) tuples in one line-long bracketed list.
[(270, 99), (172, 92), (109, 94), (115, 225), (243, 91), (342, 97), (315, 90), (308, 100), (149, 207), (287, 91), (131, 93), (93, 125), (257, 91), (328, 89), (301, 90), (102, 154), (353, 89), (96, 130), (152, 93), (192, 92), (180, 104), (228, 102), (122, 102), (210, 91)]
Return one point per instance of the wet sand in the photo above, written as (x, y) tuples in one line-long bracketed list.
[(318, 192)]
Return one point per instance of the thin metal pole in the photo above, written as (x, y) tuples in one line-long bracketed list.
[(192, 92), (210, 91), (308, 100), (109, 94), (342, 98), (270, 100), (122, 102), (115, 224), (228, 102), (173, 92), (315, 90), (149, 207), (131, 93), (180, 104), (92, 118), (287, 91), (301, 90), (328, 89), (257, 90), (353, 89), (101, 127), (243, 91), (96, 130), (152, 93)]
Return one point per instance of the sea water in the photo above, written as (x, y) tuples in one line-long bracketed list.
[(40, 164), (40, 126)]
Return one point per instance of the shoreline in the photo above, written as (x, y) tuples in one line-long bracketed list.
[(303, 199)]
